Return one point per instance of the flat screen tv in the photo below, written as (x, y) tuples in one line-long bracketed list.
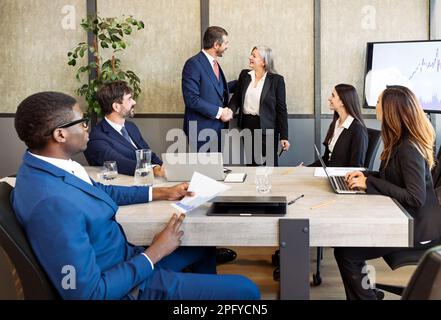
[(414, 64)]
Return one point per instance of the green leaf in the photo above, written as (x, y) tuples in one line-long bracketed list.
[(104, 44), (115, 38), (121, 75)]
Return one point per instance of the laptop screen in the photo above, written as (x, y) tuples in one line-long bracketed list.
[(321, 160)]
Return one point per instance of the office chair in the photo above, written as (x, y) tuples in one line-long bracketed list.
[(373, 145), (13, 240), (425, 283), (407, 257), (436, 176)]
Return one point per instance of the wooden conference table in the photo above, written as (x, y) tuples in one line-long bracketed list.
[(343, 220)]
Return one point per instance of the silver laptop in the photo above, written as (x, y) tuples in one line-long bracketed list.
[(181, 166), (338, 183)]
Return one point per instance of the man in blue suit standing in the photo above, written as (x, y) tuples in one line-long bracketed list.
[(115, 138), (206, 93), (206, 96), (69, 220)]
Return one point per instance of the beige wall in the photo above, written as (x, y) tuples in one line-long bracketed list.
[(346, 26), (34, 48), (157, 53), (34, 58), (284, 25)]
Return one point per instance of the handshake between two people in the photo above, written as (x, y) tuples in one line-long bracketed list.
[(227, 115)]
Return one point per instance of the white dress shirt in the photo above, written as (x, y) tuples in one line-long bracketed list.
[(70, 166), (251, 103), (78, 170), (118, 128), (211, 59), (338, 129)]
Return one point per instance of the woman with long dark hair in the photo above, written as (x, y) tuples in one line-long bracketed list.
[(347, 139), (405, 175)]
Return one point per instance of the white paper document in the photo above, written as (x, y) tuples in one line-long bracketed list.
[(335, 171), (235, 177), (204, 188)]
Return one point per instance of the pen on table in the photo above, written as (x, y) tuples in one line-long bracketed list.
[(323, 204), (294, 200)]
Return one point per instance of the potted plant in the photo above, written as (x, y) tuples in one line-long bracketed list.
[(108, 34)]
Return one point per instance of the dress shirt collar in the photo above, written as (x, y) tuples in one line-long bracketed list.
[(114, 125), (69, 166), (209, 57), (252, 73), (347, 123)]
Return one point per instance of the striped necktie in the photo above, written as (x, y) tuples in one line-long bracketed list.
[(126, 134)]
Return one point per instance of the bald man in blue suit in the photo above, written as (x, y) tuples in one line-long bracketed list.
[(69, 220)]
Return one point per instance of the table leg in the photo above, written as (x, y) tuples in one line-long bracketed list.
[(294, 259)]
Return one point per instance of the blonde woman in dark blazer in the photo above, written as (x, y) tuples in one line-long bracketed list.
[(404, 175), (260, 99)]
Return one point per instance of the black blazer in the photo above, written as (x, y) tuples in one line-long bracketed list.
[(407, 178), (272, 110), (350, 148)]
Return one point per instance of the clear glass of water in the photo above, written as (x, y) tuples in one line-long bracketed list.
[(263, 180), (144, 170), (110, 170)]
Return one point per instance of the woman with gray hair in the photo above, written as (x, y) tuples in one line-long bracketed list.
[(260, 99)]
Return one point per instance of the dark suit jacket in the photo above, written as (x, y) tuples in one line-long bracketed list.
[(272, 110), (407, 178), (203, 94), (106, 144), (350, 148)]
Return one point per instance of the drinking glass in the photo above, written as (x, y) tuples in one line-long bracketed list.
[(144, 170), (110, 170), (263, 180)]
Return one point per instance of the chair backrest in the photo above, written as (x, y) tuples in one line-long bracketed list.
[(436, 171), (425, 283), (13, 240), (373, 144)]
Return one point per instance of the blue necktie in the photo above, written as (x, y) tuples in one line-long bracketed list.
[(126, 134)]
